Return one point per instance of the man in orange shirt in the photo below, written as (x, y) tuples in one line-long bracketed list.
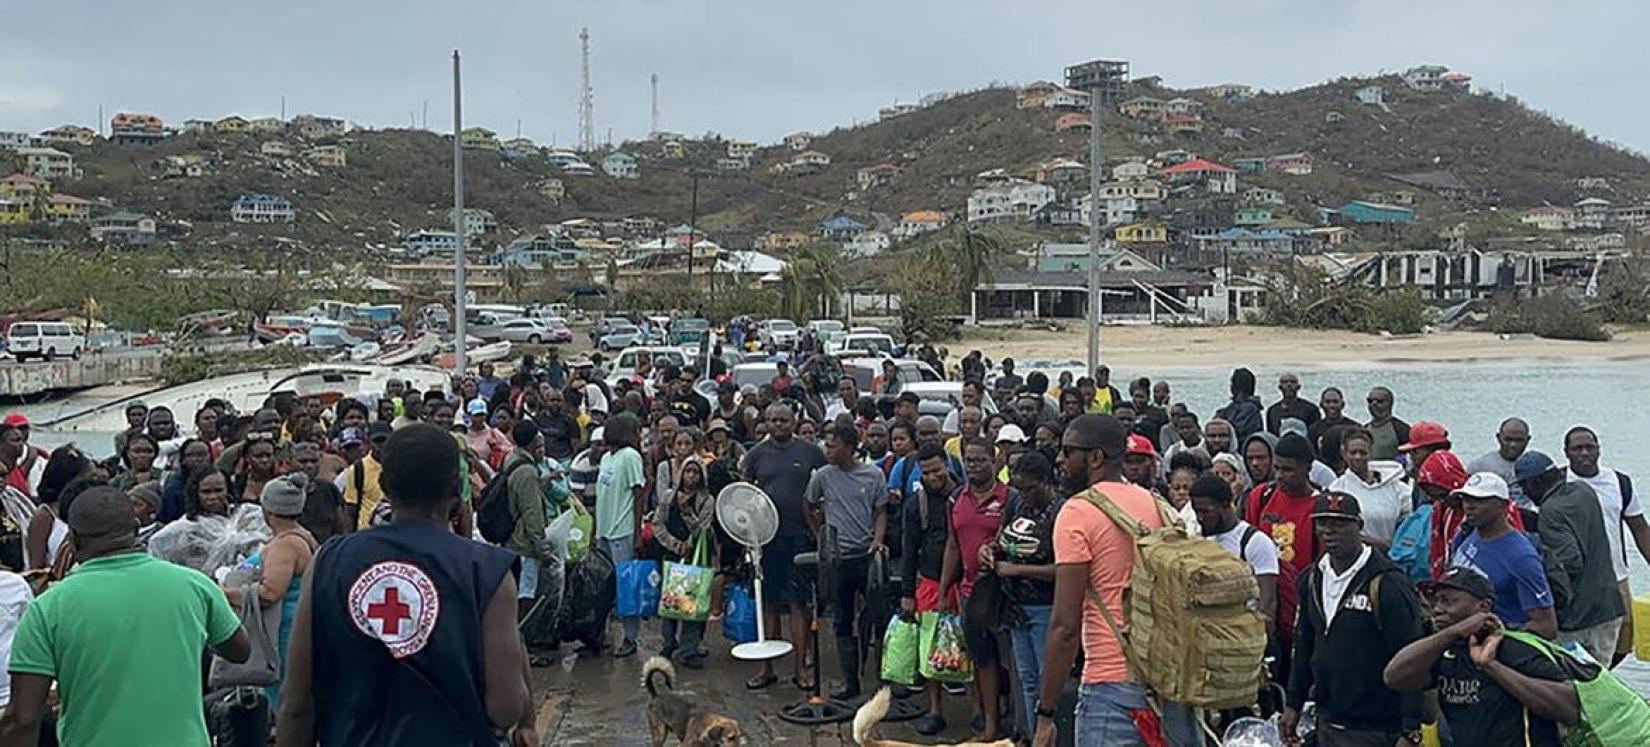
[(1090, 552)]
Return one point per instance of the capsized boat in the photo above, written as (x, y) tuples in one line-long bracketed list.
[(407, 351), (247, 391)]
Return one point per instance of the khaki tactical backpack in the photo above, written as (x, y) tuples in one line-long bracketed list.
[(1192, 635)]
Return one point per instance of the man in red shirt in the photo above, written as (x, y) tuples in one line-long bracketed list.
[(1282, 509), (1093, 553), (976, 516)]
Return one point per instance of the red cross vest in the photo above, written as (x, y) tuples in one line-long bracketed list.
[(397, 636)]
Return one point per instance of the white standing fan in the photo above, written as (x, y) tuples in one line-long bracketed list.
[(748, 516)]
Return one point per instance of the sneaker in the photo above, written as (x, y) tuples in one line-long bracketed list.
[(693, 661), (625, 649), (954, 688), (930, 724)]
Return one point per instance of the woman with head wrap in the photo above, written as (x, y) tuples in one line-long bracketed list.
[(284, 559)]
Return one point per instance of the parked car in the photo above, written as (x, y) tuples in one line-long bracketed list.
[(531, 331), (826, 331), (619, 338), (865, 370), (45, 340), (864, 343), (687, 332), (605, 325), (941, 397), (624, 364), (777, 333), (560, 333)]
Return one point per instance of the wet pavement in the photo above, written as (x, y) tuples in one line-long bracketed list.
[(598, 700)]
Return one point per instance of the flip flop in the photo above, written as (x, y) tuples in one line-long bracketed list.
[(798, 682), (761, 681)]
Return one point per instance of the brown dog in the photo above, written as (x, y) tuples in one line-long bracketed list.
[(877, 707), (669, 713)]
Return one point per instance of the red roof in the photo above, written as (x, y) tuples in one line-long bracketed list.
[(1198, 165)]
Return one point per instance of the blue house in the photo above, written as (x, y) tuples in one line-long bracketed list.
[(1376, 212), (840, 228)]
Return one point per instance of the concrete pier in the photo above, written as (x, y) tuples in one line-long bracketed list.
[(93, 369)]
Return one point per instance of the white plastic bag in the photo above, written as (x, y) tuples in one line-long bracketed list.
[(208, 543)]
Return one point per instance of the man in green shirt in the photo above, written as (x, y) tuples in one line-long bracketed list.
[(122, 636)]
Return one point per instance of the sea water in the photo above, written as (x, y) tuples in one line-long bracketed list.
[(1469, 398)]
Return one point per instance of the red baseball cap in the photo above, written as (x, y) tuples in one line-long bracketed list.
[(1139, 444), (17, 420), (1426, 433)]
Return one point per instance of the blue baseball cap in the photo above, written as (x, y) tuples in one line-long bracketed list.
[(1532, 464)]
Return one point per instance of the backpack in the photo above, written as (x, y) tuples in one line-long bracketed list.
[(1612, 715), (493, 515), (1412, 544), (1192, 635)]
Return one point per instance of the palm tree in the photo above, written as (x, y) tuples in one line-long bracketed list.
[(971, 253), (810, 282)]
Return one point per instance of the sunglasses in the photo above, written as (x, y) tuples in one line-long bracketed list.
[(1066, 449)]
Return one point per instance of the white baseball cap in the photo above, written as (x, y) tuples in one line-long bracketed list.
[(1011, 432), (1485, 485)]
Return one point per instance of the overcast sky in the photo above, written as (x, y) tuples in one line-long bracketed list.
[(761, 68)]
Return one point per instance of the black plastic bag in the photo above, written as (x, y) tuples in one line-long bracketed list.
[(238, 717), (588, 599)]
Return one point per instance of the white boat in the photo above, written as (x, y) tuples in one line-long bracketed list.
[(476, 355), (424, 346), (247, 391)]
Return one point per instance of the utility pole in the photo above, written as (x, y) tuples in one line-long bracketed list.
[(1101, 79), (1097, 169), (693, 225), (460, 355)]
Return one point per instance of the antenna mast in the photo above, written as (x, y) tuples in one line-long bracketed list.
[(654, 131), (587, 97)]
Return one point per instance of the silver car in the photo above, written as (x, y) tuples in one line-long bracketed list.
[(531, 331)]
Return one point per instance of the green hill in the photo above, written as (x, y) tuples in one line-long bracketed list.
[(399, 181)]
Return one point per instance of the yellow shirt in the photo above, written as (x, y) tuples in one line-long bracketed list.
[(1102, 403), (953, 446), (364, 474)]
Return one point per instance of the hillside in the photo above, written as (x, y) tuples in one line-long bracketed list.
[(400, 180)]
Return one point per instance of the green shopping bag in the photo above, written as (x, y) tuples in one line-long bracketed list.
[(578, 538), (944, 656), (684, 592), (900, 647)]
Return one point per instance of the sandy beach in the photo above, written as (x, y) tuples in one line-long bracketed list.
[(1144, 345)]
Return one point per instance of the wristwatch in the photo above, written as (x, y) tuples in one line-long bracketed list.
[(1044, 712)]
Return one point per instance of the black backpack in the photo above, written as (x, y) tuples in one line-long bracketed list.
[(493, 515)]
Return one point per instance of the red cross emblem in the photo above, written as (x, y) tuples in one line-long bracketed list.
[(397, 604), (390, 612)]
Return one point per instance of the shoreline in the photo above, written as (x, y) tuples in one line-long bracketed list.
[(1247, 345)]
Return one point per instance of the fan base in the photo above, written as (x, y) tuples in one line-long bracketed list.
[(817, 710), (761, 650)]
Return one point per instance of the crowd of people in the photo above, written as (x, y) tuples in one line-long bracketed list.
[(1400, 585)]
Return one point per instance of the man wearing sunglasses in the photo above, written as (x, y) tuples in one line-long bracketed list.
[(1388, 431), (1091, 552)]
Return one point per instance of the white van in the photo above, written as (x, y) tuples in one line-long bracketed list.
[(45, 340)]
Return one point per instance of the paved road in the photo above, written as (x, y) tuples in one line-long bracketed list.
[(600, 701)]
